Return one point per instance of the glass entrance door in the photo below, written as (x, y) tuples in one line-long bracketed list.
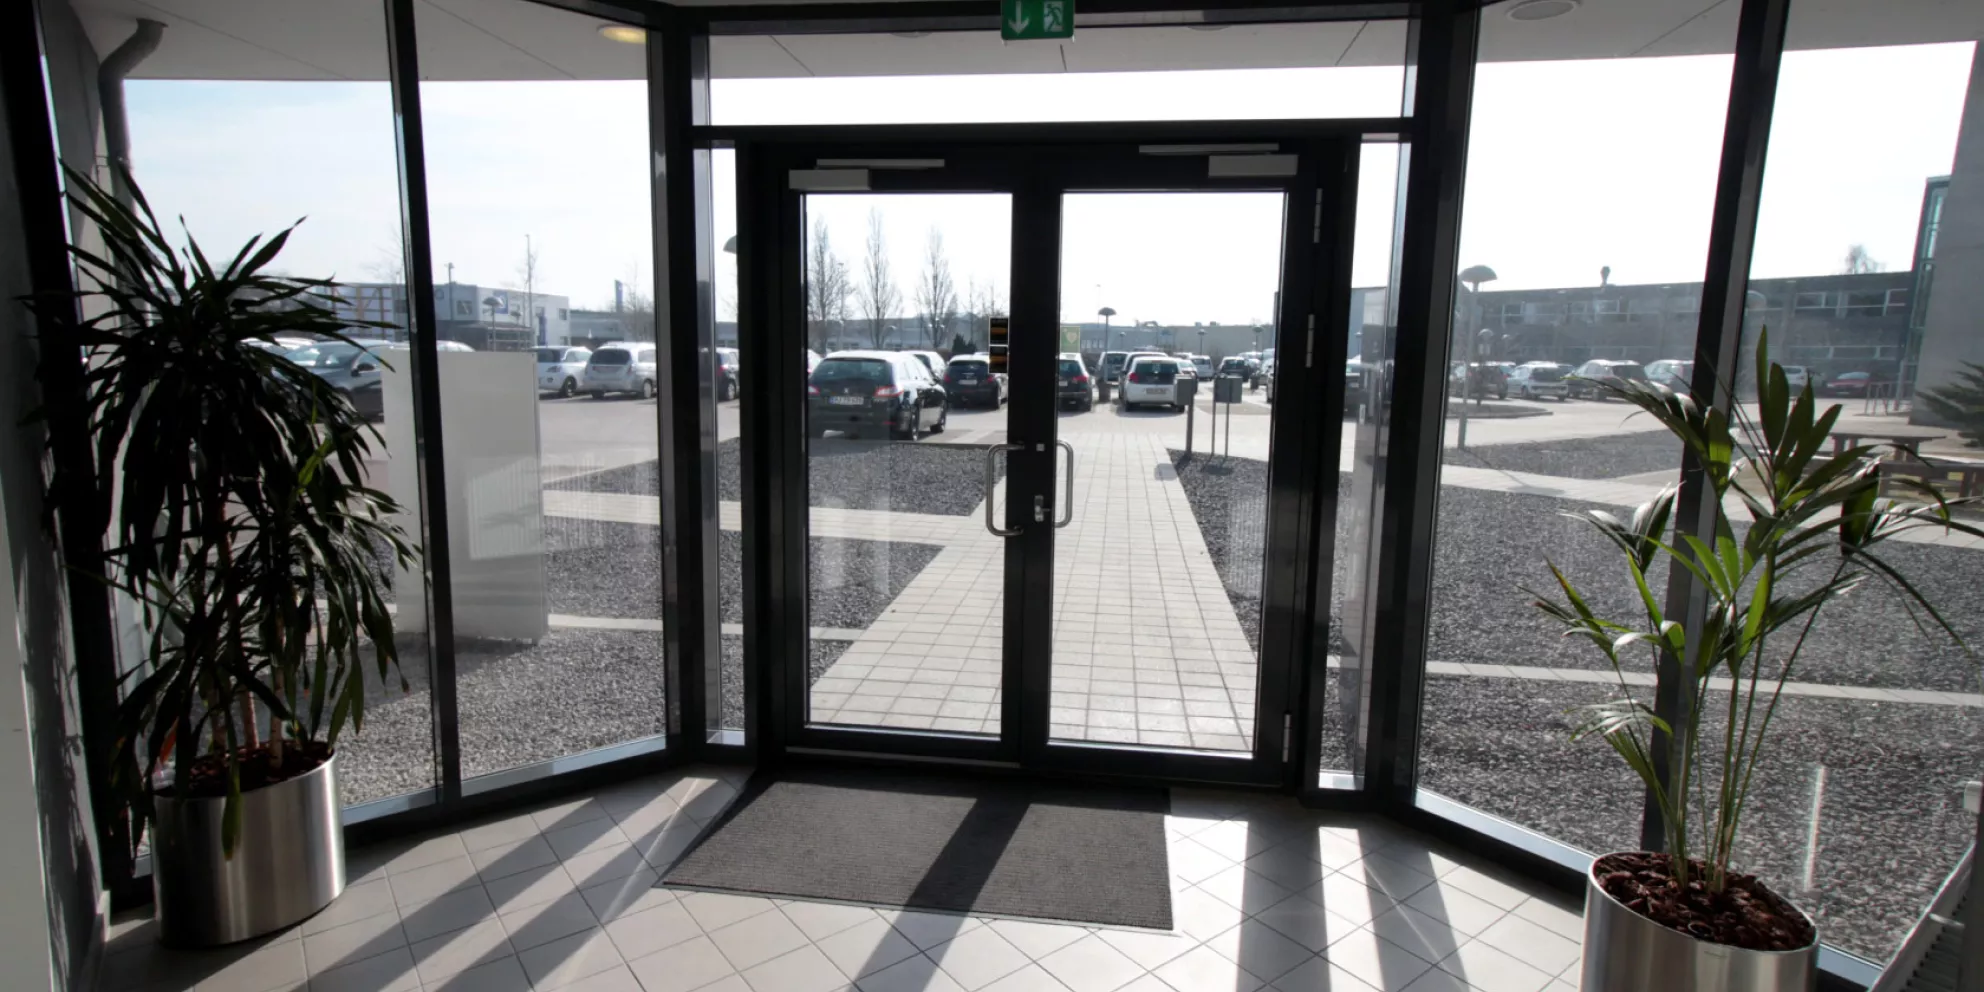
[(904, 410), (1033, 480)]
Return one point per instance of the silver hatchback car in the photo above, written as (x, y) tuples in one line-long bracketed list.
[(559, 369), (621, 369), (1152, 379)]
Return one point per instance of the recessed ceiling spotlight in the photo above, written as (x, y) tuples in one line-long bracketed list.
[(623, 32), (1541, 10)]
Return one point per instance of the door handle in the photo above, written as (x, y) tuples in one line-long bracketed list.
[(1040, 510), (1068, 487), (991, 480)]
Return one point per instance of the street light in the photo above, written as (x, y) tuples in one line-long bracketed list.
[(1105, 313)]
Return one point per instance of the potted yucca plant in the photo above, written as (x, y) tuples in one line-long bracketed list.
[(242, 523), (1685, 918)]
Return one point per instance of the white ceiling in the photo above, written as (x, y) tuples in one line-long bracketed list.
[(514, 39)]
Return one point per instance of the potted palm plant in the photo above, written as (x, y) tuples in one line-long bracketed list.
[(245, 529), (1684, 918)]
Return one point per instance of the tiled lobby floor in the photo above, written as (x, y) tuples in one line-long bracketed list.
[(1266, 895)]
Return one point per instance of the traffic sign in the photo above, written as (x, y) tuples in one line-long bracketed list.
[(1027, 20)]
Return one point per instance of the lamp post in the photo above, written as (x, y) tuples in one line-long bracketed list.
[(1473, 276), (1105, 313)]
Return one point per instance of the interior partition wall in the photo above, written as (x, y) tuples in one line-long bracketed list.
[(679, 650)]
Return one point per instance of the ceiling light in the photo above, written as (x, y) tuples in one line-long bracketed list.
[(623, 32), (1541, 10)]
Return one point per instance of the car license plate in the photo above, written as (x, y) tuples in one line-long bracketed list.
[(844, 400), (967, 382), (1066, 382)]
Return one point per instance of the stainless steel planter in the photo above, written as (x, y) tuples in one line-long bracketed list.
[(1626, 952), (288, 865)]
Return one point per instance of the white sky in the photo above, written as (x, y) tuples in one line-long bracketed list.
[(1573, 165)]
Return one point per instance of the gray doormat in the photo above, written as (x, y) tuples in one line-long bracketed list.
[(889, 838)]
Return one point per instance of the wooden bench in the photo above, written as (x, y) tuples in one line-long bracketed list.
[(1955, 480)]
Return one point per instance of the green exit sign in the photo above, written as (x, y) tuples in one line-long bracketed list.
[(1026, 20)]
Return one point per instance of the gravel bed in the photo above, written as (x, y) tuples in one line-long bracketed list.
[(1492, 543), (862, 475), (1228, 497), (599, 568), (573, 691), (1580, 458), (1890, 817)]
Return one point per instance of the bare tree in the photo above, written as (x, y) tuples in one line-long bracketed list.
[(983, 302), (936, 294), (634, 315), (1858, 261), (828, 286), (879, 296), (528, 272)]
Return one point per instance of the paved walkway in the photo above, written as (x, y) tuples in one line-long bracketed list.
[(1147, 649)]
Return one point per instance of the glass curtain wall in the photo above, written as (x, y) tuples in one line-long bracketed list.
[(1857, 813), (1589, 189), (241, 141), (536, 127)]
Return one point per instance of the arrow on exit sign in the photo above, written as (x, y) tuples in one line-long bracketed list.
[(1026, 20)]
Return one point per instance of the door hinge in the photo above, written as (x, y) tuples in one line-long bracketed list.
[(1309, 353), (1316, 235), (1287, 734)]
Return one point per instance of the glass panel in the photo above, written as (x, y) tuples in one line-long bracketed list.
[(1855, 813), (1242, 71), (1366, 407), (1519, 454), (729, 448), (904, 582), (1157, 585), (241, 144), (552, 468)]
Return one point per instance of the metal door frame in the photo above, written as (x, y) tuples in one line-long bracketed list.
[(1036, 165)]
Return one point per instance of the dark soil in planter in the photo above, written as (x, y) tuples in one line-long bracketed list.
[(1745, 914), (208, 776)]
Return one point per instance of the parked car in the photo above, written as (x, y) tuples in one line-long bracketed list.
[(1240, 365), (1201, 365), (1857, 384), (1536, 380), (620, 369), (970, 380), (1354, 388), (931, 360), (727, 382), (559, 369), (1488, 380), (1073, 385), (812, 360), (1797, 376), (353, 368), (1112, 365), (438, 346), (1584, 382), (282, 345), (871, 392), (1153, 379), (1677, 374)]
